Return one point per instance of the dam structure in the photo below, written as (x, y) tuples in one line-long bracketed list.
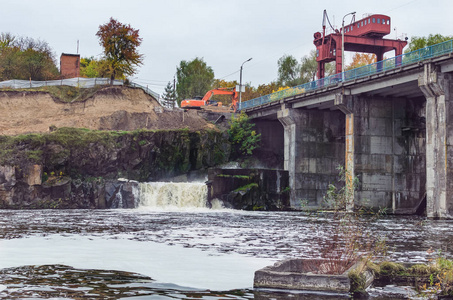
[(390, 124)]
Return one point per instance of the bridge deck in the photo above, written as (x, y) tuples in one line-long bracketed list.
[(397, 75)]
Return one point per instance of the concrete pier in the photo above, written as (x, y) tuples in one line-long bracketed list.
[(438, 88), (314, 148), (392, 131)]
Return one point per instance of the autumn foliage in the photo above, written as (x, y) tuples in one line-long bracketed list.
[(360, 60), (26, 58), (120, 43)]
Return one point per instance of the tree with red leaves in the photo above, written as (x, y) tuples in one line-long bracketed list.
[(120, 44)]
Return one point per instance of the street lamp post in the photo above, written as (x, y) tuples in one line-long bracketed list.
[(240, 82), (342, 44)]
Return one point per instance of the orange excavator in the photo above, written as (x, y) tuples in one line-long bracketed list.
[(199, 102)]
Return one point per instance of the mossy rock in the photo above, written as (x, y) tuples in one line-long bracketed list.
[(358, 280), (421, 270), (388, 268)]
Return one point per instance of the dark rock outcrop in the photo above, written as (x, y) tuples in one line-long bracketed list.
[(250, 189), (79, 168)]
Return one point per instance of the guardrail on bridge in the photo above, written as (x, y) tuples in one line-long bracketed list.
[(375, 68)]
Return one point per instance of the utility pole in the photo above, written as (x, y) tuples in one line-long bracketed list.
[(240, 82), (174, 92), (342, 44)]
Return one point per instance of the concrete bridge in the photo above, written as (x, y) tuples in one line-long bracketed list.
[(393, 130)]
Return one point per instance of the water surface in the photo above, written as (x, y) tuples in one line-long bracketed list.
[(178, 251)]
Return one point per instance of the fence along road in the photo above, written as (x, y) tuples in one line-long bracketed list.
[(76, 82)]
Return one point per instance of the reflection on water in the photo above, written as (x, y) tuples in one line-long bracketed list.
[(147, 242), (58, 281), (50, 281)]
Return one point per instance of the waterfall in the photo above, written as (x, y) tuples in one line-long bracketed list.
[(118, 202), (172, 195)]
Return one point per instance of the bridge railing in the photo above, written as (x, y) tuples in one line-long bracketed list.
[(300, 89), (378, 67)]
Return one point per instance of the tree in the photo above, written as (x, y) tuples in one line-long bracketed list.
[(194, 78), (220, 83), (291, 73), (266, 89), (88, 67), (120, 43), (250, 93), (26, 58), (37, 59), (169, 95), (360, 60), (37, 65), (262, 90), (309, 67), (422, 42), (225, 99), (10, 64), (6, 40), (242, 137), (94, 68), (288, 71)]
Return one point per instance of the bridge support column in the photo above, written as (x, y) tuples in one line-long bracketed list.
[(314, 147), (290, 119), (384, 150), (438, 90), (344, 103), (270, 152)]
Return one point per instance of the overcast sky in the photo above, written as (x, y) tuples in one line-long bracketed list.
[(224, 33)]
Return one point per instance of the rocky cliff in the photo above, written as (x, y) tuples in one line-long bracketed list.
[(70, 168), (57, 153)]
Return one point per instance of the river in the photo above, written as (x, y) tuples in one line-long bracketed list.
[(171, 248)]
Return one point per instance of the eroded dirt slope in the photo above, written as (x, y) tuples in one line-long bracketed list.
[(111, 108)]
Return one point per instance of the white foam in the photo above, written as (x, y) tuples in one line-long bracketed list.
[(173, 195)]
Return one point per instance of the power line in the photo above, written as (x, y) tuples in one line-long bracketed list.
[(266, 58), (229, 75), (401, 6)]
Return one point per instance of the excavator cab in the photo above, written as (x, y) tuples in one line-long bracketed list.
[(212, 103)]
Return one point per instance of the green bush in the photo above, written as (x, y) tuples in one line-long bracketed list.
[(242, 137)]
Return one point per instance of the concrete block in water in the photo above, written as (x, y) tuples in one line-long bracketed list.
[(301, 274)]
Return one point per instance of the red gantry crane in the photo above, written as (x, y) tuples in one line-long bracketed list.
[(365, 35)]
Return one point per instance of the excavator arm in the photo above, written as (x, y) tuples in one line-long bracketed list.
[(191, 103), (224, 91), (219, 91)]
